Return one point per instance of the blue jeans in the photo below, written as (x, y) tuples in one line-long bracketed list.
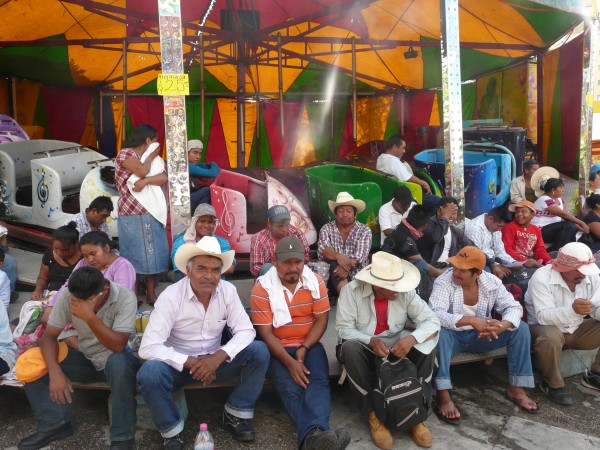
[(518, 343), (423, 267), (119, 372), (10, 268), (158, 380), (308, 408)]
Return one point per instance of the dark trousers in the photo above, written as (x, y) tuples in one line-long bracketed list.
[(559, 234)]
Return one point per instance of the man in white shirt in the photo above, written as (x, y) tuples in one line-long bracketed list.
[(559, 297), (392, 212), (182, 344)]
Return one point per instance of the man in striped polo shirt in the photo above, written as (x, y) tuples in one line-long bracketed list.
[(290, 311)]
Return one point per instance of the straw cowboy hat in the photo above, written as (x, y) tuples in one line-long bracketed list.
[(208, 246), (344, 198), (540, 175), (390, 272)]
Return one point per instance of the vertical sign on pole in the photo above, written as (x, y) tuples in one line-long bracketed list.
[(451, 88), (173, 85)]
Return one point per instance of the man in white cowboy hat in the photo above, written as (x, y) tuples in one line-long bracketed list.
[(371, 317), (344, 243), (290, 310), (182, 344), (560, 297), (262, 244), (463, 299), (202, 175)]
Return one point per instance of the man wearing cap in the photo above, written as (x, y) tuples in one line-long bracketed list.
[(392, 212), (520, 188), (262, 244), (182, 344), (94, 217), (201, 175), (204, 222), (290, 310), (344, 242), (103, 315), (560, 297), (372, 313), (463, 299)]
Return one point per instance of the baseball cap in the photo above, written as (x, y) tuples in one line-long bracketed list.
[(468, 257), (31, 365), (576, 256), (195, 143), (204, 209), (522, 204), (278, 213), (289, 247), (3, 230), (403, 195)]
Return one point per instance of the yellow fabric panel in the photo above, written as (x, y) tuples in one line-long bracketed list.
[(27, 94), (304, 153), (434, 119), (550, 63), (371, 116), (228, 113), (117, 108), (88, 137)]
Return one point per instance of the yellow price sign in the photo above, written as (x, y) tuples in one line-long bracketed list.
[(173, 84)]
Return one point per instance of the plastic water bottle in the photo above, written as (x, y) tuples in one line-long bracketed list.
[(204, 440)]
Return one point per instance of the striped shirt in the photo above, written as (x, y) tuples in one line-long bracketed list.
[(302, 310)]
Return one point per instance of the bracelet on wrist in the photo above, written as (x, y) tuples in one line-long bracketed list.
[(303, 346)]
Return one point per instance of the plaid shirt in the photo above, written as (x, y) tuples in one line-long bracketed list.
[(447, 300), (128, 205), (262, 248), (357, 244), (83, 226)]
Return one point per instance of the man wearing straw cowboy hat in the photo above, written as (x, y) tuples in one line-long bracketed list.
[(372, 313), (182, 344), (560, 297), (344, 243)]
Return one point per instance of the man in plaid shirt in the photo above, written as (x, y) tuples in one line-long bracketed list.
[(344, 243), (262, 244)]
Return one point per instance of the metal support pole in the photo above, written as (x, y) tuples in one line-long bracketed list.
[(202, 87), (354, 133), (451, 88), (241, 108), (332, 132), (540, 108), (280, 77), (124, 109), (12, 98)]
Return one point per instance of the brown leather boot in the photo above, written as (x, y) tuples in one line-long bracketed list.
[(421, 435), (380, 435)]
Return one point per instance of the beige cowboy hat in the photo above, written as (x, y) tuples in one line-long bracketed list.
[(390, 272), (344, 198), (208, 246), (540, 175)]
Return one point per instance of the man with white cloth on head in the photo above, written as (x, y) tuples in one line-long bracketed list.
[(290, 310)]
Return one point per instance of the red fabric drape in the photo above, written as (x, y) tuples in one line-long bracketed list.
[(347, 145), (67, 112), (150, 111), (417, 115), (217, 149), (282, 150)]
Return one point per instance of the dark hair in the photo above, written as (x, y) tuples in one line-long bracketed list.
[(85, 282), (67, 234), (529, 163), (403, 195), (101, 203), (446, 201), (139, 136), (418, 216), (500, 214), (593, 200), (593, 175), (551, 183), (394, 140), (1, 255), (97, 238)]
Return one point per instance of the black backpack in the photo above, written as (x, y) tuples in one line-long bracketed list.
[(399, 400)]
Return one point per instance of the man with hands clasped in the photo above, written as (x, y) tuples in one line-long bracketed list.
[(463, 299), (182, 344)]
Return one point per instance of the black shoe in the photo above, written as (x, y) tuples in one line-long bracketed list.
[(318, 439), (239, 428), (14, 296), (174, 443), (557, 395), (123, 445), (343, 438), (41, 439), (591, 379)]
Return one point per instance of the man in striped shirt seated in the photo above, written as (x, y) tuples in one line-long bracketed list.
[(290, 310)]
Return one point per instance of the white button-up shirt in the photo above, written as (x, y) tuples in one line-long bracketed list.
[(180, 326), (389, 218), (549, 301), (490, 243)]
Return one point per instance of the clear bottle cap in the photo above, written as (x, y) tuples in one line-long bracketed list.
[(203, 427)]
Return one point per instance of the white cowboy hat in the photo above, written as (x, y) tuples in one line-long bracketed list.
[(344, 198), (390, 272), (543, 173), (209, 246)]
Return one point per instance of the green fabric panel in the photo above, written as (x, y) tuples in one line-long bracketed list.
[(469, 98), (315, 78), (555, 144), (193, 117), (392, 127), (319, 118), (549, 23), (39, 116), (340, 116), (262, 145), (47, 64), (210, 82)]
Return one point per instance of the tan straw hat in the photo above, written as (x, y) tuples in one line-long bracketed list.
[(208, 246), (390, 272), (541, 175), (344, 198)]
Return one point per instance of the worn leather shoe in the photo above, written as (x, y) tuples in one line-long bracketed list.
[(557, 395), (41, 439), (380, 435), (239, 428), (343, 438), (173, 443), (421, 435), (122, 445), (318, 439)]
